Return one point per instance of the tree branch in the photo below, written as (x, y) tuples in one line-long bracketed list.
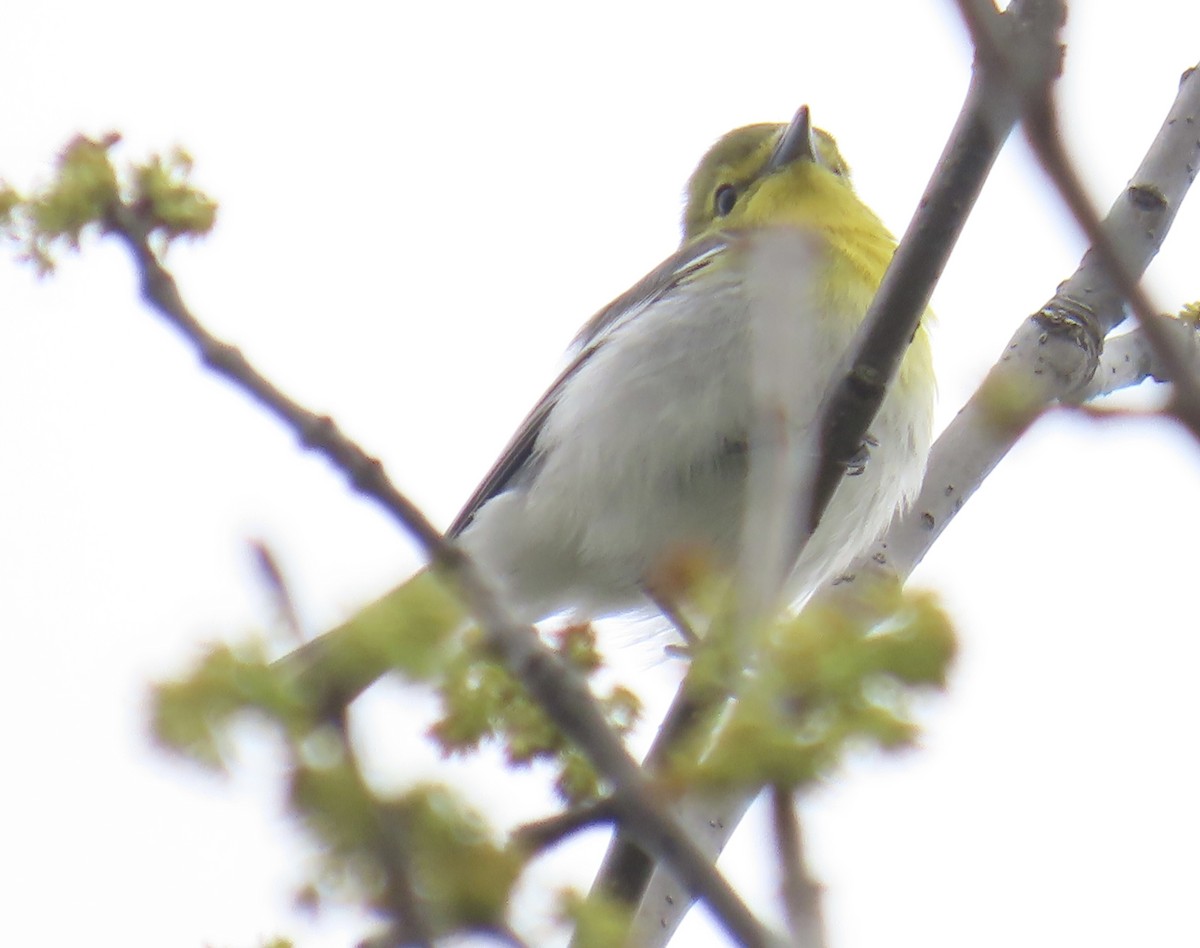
[(987, 117), (1054, 354), (542, 834), (1120, 268), (801, 893), (1129, 360), (561, 692)]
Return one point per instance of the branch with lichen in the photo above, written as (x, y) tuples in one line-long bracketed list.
[(1062, 354), (1119, 268)]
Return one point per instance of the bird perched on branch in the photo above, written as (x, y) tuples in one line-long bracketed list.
[(639, 451)]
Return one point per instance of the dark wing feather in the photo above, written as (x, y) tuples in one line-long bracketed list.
[(658, 284)]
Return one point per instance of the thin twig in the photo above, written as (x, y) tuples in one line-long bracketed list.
[(541, 835), (801, 893), (277, 586), (1043, 131), (1129, 360), (560, 691)]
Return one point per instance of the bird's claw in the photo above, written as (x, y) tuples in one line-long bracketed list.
[(858, 461)]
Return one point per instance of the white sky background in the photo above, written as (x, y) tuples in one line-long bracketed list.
[(420, 203)]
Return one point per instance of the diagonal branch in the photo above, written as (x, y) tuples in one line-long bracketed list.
[(988, 115), (561, 692), (1053, 355), (801, 893)]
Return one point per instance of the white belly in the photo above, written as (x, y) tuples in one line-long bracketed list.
[(644, 454)]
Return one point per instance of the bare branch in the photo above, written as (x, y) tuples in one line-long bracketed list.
[(1119, 262), (541, 835), (1129, 360), (1054, 353), (987, 117), (277, 588), (801, 893)]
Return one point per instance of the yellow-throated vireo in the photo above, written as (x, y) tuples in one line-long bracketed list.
[(638, 451)]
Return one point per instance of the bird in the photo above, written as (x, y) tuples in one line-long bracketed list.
[(639, 451)]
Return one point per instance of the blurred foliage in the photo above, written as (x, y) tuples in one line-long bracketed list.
[(87, 190), (425, 844), (482, 701), (194, 715), (835, 678), (596, 922), (415, 629), (830, 679), (423, 847)]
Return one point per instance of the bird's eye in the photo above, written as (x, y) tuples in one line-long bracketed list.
[(724, 199)]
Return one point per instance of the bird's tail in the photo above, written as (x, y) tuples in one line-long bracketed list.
[(409, 629)]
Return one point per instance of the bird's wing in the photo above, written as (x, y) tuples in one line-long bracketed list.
[(657, 285)]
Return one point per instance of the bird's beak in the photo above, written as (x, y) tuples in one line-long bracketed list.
[(795, 144)]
